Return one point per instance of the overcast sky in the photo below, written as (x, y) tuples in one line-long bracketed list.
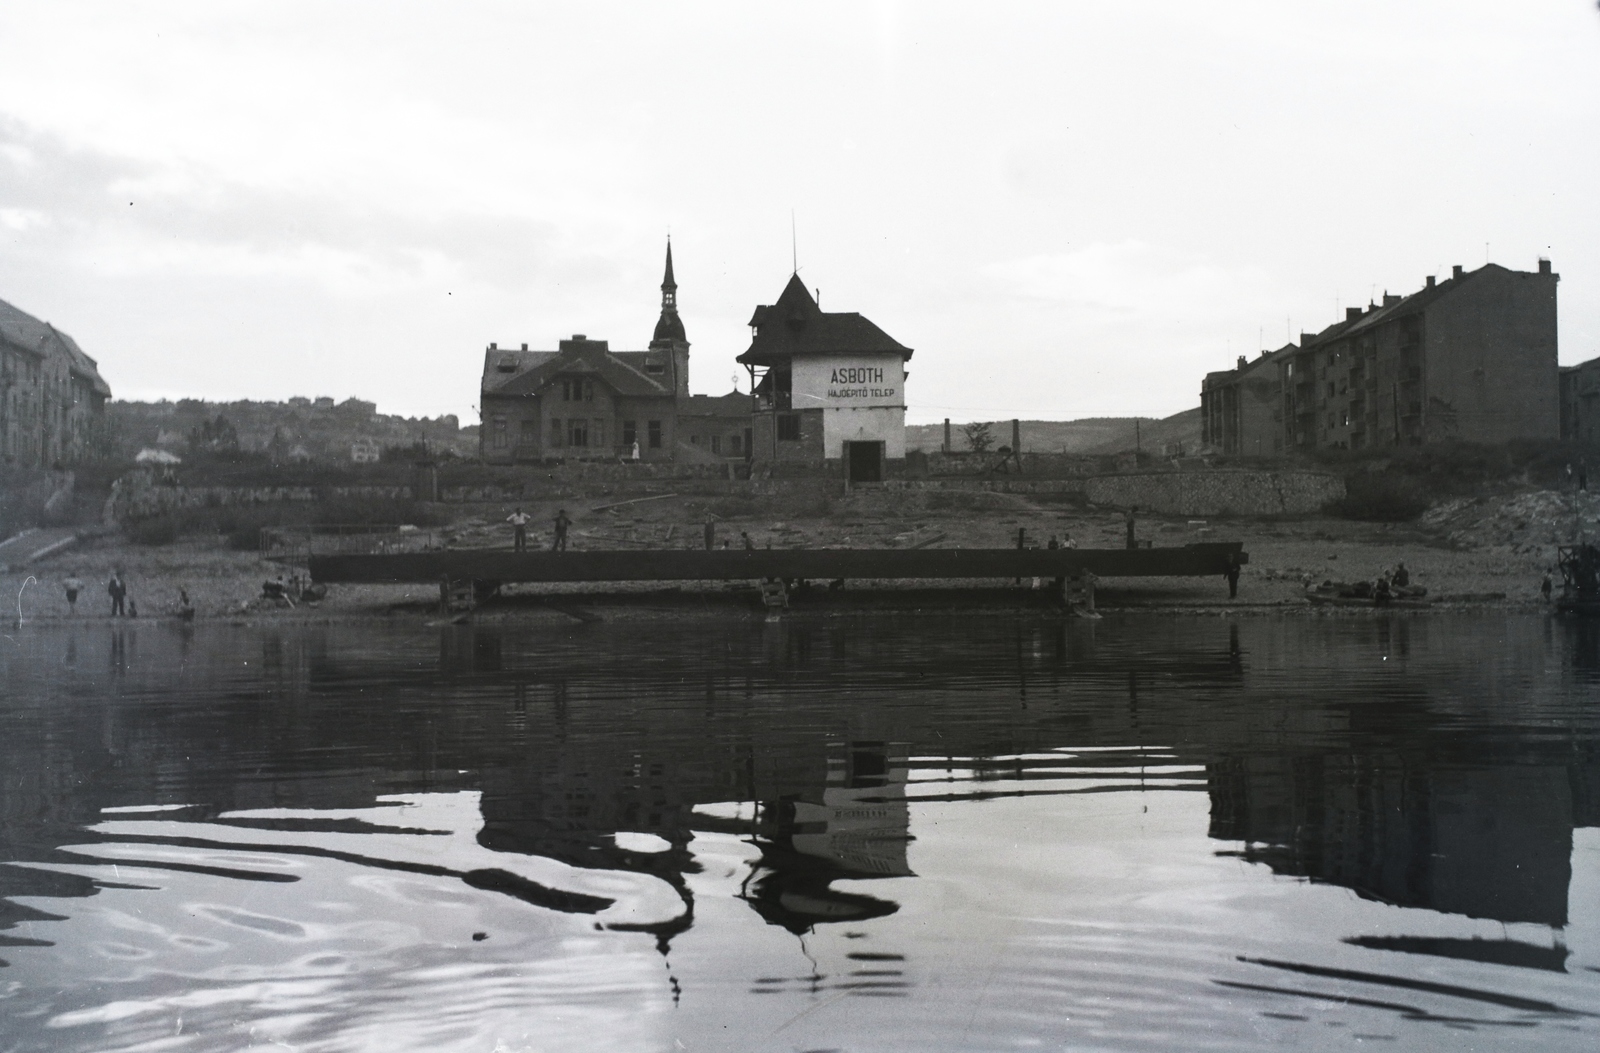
[(1067, 209)]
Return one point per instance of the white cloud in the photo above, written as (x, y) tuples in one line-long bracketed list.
[(22, 218)]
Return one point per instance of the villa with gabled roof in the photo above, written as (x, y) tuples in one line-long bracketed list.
[(585, 401)]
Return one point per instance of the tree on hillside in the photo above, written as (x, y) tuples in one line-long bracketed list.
[(979, 437), (217, 435)]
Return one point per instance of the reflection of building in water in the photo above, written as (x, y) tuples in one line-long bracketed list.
[(1488, 842), (858, 828)]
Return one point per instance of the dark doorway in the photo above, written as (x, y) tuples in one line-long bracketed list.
[(865, 460)]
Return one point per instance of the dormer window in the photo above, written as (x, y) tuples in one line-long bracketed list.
[(507, 365), (655, 369)]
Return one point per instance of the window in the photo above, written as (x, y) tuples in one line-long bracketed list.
[(577, 432), (716, 444), (499, 433), (789, 427), (566, 390), (555, 431), (597, 432), (654, 429), (734, 445), (530, 433), (576, 389), (655, 369), (630, 433)]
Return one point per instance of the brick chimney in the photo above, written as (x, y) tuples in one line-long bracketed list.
[(1456, 271), (1544, 265), (1430, 281), (1352, 313)]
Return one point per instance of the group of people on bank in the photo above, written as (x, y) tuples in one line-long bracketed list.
[(519, 521), (123, 605)]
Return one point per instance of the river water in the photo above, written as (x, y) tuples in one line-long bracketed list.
[(932, 833)]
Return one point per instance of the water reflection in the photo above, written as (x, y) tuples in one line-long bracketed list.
[(1487, 842), (648, 779)]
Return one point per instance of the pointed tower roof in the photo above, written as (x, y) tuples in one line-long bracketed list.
[(795, 325), (669, 327)]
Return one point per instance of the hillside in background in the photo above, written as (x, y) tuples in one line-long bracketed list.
[(1092, 435), (323, 429)]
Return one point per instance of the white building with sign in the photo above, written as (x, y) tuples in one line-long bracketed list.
[(830, 388)]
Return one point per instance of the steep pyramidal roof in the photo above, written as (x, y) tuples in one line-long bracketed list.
[(795, 325)]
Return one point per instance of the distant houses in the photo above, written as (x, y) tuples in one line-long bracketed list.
[(1472, 357), (52, 397)]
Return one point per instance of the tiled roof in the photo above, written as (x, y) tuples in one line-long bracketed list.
[(26, 332), (23, 330), (795, 325), (1405, 305), (83, 365), (535, 369), (733, 404), (519, 362)]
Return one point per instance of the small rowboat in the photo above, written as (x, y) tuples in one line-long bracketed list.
[(1343, 596)]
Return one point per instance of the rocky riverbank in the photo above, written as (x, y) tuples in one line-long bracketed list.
[(1493, 550)]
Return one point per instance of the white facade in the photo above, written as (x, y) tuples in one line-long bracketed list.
[(863, 399)]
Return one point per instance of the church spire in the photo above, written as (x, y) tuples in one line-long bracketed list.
[(669, 287), (670, 327)]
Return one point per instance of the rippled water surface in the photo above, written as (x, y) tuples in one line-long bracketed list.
[(874, 834)]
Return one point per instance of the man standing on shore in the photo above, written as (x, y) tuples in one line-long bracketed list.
[(116, 590), (519, 530), (562, 523), (73, 585)]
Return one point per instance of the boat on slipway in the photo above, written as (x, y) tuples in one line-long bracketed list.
[(1342, 594)]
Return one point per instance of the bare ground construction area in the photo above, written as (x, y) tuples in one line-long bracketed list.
[(1492, 550)]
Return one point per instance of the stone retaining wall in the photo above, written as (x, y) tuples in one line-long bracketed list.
[(1217, 493), (1212, 493)]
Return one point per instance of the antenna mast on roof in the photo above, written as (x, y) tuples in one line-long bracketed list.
[(794, 245)]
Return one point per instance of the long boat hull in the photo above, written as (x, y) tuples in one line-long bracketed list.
[(1214, 558)]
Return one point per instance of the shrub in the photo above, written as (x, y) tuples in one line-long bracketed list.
[(1381, 497), (158, 530)]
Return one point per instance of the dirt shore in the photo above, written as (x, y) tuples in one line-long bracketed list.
[(1494, 550)]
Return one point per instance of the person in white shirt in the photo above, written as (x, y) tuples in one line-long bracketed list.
[(519, 521)]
